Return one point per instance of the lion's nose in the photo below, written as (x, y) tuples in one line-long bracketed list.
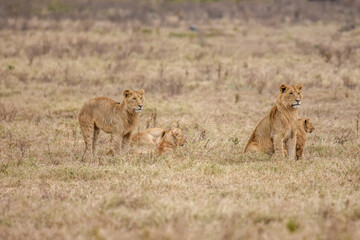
[(297, 100), (140, 106)]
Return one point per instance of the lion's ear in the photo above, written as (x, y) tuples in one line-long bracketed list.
[(127, 92), (141, 91), (306, 122), (299, 87), (163, 133), (283, 88)]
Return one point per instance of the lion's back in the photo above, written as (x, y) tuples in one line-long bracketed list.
[(262, 133), (150, 136), (99, 111), (98, 105)]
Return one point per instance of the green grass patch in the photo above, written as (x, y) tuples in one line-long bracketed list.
[(78, 173), (292, 226), (147, 31), (57, 6), (181, 35)]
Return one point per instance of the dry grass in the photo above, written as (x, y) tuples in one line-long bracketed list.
[(218, 88)]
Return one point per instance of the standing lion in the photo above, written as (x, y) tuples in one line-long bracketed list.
[(117, 119), (280, 125)]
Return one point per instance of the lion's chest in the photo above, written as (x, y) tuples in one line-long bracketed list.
[(287, 133), (127, 127)]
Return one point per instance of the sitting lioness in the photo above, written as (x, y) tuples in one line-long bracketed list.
[(279, 126), (157, 139), (117, 119), (304, 127)]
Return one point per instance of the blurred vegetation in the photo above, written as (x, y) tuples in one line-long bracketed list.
[(151, 11)]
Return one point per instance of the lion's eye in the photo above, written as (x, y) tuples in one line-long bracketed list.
[(134, 98), (291, 93)]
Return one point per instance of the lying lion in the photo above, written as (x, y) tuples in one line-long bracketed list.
[(157, 139), (304, 127), (117, 119), (279, 126)]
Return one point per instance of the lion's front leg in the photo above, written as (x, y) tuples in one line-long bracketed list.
[(116, 140), (291, 146), (278, 145)]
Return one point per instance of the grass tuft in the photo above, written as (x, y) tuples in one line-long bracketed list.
[(292, 226)]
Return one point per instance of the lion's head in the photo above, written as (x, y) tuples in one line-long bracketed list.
[(134, 100), (290, 96), (173, 136), (309, 128)]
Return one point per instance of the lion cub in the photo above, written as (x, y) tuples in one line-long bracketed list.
[(117, 119), (157, 139), (279, 126), (304, 127)]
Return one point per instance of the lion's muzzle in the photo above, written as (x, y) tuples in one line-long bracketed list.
[(139, 109), (297, 104)]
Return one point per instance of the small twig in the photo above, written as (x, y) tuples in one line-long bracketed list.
[(357, 126), (237, 97), (219, 72)]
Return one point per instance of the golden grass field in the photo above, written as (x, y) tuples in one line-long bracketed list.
[(218, 84)]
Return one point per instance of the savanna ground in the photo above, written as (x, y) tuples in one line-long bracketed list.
[(218, 84)]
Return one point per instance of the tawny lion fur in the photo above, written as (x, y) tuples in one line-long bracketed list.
[(117, 119), (279, 126), (157, 139), (304, 127)]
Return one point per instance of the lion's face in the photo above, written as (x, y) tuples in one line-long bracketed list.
[(174, 135), (134, 100), (291, 96), (308, 126)]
